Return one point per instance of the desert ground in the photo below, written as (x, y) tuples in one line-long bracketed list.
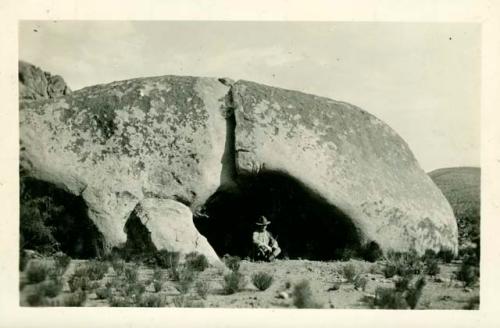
[(330, 287)]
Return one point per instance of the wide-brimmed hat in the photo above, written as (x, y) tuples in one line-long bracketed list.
[(263, 221)]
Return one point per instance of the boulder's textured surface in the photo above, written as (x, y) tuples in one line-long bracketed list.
[(120, 143), (171, 226), (462, 187), (351, 158), (177, 138), (37, 84)]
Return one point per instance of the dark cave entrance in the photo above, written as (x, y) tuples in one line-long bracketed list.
[(52, 219), (305, 225)]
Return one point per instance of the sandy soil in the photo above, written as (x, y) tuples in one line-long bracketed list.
[(441, 292)]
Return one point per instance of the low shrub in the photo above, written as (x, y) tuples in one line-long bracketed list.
[(196, 261), (166, 259), (135, 290), (131, 274), (446, 255), (82, 283), (470, 255), (103, 293), (349, 271), (152, 301), (262, 280), (35, 299), (185, 277), (202, 288), (118, 266), (402, 264), (233, 282), (402, 296), (389, 270), (371, 252), (36, 272), (468, 274), (303, 297), (96, 270), (360, 282), (432, 266), (344, 254), (431, 263), (61, 261), (75, 299), (118, 301), (414, 292), (157, 274), (51, 288), (232, 262), (389, 298)]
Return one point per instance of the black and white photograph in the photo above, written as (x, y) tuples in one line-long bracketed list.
[(325, 165), (222, 163)]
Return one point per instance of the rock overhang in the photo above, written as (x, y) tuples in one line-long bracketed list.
[(166, 137)]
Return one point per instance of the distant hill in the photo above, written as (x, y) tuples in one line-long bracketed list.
[(462, 187)]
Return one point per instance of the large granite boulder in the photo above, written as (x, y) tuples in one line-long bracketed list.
[(462, 187), (351, 158), (182, 138), (117, 144), (37, 84)]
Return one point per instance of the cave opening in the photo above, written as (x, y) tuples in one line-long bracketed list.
[(52, 219), (304, 223)]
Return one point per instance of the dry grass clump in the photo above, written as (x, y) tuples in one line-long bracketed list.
[(185, 277), (349, 271), (152, 301), (61, 261), (360, 282), (37, 272), (75, 299), (196, 261), (303, 297), (51, 287), (202, 288), (431, 263), (262, 280), (233, 282), (166, 259), (96, 270), (402, 264), (403, 295), (232, 262)]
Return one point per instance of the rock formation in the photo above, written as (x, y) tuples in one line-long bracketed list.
[(348, 156), (37, 84), (462, 187), (162, 145)]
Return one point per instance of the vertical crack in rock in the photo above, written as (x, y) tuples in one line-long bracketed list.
[(228, 172), (306, 224)]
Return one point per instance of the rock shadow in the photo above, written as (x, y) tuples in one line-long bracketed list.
[(52, 219), (304, 223)]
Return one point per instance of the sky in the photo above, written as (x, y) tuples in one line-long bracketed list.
[(423, 79)]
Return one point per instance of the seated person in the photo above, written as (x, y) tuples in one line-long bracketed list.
[(265, 246)]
